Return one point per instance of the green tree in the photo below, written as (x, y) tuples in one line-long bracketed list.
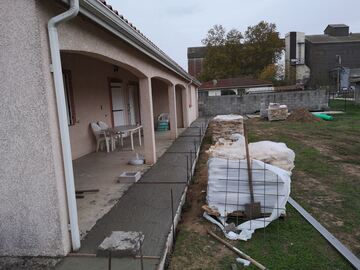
[(215, 36), (263, 47), (232, 54)]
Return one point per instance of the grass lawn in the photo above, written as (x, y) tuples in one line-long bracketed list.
[(325, 181)]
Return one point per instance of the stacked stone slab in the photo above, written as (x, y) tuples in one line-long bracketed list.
[(277, 112), (223, 126)]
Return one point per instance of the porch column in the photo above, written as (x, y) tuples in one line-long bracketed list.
[(172, 111), (185, 101), (147, 119)]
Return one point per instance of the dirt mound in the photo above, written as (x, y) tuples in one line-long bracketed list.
[(302, 115)]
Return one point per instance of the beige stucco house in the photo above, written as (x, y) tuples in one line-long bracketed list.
[(45, 120)]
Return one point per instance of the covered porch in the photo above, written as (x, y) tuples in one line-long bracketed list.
[(103, 90), (100, 171)]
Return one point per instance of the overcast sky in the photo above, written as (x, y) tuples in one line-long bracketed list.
[(174, 25)]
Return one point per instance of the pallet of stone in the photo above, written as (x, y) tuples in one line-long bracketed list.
[(277, 112), (223, 126)]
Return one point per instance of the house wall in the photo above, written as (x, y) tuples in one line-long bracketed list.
[(33, 215), (90, 83), (193, 104)]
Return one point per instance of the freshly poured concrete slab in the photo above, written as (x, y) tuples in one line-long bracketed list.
[(145, 208), (194, 132), (100, 263), (183, 146), (172, 168)]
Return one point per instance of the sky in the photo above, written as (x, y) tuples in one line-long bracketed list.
[(175, 25)]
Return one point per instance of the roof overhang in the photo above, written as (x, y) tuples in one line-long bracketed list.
[(101, 15)]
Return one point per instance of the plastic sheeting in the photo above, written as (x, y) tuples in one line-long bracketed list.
[(274, 153), (228, 117), (228, 192)]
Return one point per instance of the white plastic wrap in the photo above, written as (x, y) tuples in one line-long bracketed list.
[(274, 153), (228, 117), (228, 191)]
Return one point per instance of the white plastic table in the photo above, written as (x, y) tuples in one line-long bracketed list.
[(122, 130)]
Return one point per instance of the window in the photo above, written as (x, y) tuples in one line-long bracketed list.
[(69, 98)]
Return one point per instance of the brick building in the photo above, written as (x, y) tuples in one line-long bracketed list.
[(196, 57)]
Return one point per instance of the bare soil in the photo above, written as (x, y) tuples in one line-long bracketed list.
[(302, 115)]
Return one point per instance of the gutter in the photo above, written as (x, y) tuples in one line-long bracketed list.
[(104, 17), (62, 117)]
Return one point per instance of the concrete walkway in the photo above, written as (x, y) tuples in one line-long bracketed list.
[(146, 207)]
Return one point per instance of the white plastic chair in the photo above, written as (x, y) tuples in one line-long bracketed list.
[(113, 137), (100, 136), (103, 125)]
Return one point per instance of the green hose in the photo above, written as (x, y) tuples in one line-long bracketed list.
[(324, 116)]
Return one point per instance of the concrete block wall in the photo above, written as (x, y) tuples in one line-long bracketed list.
[(357, 94), (310, 99)]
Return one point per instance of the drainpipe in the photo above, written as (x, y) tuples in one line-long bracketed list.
[(62, 117), (187, 114), (187, 87)]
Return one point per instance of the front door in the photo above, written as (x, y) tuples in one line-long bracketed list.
[(118, 103)]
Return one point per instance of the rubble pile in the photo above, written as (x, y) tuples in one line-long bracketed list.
[(277, 112), (223, 126)]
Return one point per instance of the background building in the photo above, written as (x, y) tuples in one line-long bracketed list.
[(196, 57), (295, 68), (330, 58)]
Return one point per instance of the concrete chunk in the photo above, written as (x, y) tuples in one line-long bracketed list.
[(121, 244)]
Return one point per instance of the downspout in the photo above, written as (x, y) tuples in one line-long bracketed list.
[(188, 99), (62, 117), (187, 87)]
